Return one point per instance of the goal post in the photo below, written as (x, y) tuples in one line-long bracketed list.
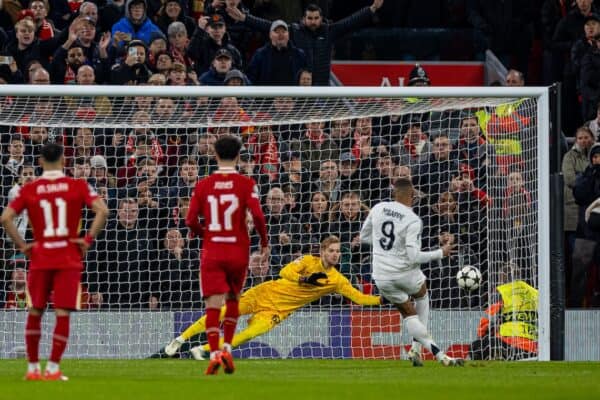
[(144, 285)]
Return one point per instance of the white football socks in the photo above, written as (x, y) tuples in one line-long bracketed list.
[(422, 307), (417, 330), (32, 367)]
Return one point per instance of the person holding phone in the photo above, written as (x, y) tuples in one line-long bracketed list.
[(133, 69)]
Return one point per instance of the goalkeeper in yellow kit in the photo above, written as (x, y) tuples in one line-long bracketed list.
[(302, 282)]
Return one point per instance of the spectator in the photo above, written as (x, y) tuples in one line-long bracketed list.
[(284, 231), (315, 222), (221, 65), (515, 78), (118, 265), (16, 156), (45, 27), (173, 11), (187, 176), (313, 36), (414, 148), (574, 163), (435, 175), (179, 43), (174, 279), (258, 270), (265, 148), (209, 38), (305, 78), (340, 131), (278, 63), (38, 136), (594, 124), (472, 149), (345, 221), (235, 77), (39, 76), (27, 174), (26, 47), (582, 45), (133, 70), (239, 33), (16, 296), (66, 62), (315, 147), (292, 173), (586, 191), (81, 168), (328, 180), (99, 173), (590, 74), (135, 25), (158, 45)]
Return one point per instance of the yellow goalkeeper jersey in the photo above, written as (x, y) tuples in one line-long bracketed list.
[(286, 295)]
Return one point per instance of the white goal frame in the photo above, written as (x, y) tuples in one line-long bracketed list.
[(543, 131)]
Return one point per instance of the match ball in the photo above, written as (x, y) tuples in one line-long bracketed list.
[(468, 278)]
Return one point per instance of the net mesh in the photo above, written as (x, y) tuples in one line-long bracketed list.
[(321, 164)]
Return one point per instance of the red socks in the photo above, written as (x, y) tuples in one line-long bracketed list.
[(212, 328), (60, 338), (232, 313), (33, 333)]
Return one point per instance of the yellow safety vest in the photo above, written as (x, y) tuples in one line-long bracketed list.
[(519, 310), (502, 146)]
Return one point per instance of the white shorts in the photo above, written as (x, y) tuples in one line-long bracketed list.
[(404, 285)]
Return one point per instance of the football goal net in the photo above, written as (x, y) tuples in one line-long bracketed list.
[(322, 157)]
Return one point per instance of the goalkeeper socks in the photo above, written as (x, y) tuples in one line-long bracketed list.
[(212, 328), (60, 338), (230, 322), (33, 332), (417, 330)]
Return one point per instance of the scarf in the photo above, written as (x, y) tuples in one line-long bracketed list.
[(266, 156)]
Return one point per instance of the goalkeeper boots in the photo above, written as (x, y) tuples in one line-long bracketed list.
[(452, 362), (172, 348), (213, 364), (415, 357), (34, 376), (198, 353), (227, 361)]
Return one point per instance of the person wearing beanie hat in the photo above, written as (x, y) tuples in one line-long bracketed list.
[(418, 77), (134, 25), (172, 11), (235, 77)]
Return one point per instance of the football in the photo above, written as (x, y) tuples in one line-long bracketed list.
[(468, 278)]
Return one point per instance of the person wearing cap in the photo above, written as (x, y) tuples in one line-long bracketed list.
[(278, 62), (584, 44), (134, 25), (314, 36), (99, 173), (211, 36), (221, 65), (172, 11), (239, 33)]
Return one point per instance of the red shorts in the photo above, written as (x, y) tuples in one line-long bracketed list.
[(63, 284), (222, 276)]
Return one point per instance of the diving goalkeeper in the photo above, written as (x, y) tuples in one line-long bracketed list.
[(302, 282)]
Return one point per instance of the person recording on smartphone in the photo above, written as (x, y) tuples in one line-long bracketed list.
[(133, 69), (9, 71)]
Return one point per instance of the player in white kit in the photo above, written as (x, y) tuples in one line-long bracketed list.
[(394, 232)]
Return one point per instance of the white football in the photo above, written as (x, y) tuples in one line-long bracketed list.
[(468, 278)]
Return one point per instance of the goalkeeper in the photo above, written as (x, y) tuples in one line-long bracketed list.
[(302, 282)]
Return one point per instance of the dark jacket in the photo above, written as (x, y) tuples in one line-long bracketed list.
[(585, 192), (317, 45), (202, 49), (260, 69)]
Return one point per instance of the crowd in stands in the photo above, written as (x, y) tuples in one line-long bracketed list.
[(318, 178)]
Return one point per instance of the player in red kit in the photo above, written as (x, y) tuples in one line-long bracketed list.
[(54, 203), (221, 201)]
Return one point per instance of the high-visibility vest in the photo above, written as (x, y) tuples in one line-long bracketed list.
[(519, 310), (503, 127)]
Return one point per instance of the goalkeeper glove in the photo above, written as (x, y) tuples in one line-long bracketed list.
[(313, 279)]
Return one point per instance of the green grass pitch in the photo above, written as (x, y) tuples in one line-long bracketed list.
[(306, 379)]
